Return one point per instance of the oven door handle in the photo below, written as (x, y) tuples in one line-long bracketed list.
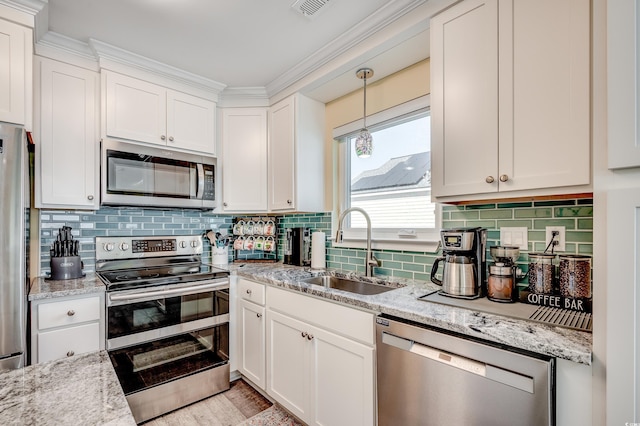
[(182, 291)]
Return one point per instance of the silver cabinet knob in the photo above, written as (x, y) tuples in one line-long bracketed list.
[(504, 178), (248, 291), (489, 179), (225, 204), (289, 202), (170, 138), (71, 353), (90, 197), (304, 334), (309, 336), (71, 312), (259, 315), (163, 137)]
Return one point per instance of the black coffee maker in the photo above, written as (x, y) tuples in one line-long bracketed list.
[(297, 246), (464, 275)]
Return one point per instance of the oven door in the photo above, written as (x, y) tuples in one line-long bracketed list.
[(155, 363), (147, 176), (144, 315)]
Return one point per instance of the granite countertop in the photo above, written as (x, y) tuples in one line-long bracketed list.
[(82, 390), (532, 336), (44, 288)]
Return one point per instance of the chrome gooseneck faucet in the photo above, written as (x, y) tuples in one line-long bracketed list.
[(371, 261)]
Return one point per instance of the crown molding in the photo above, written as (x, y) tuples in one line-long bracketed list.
[(244, 97), (114, 58), (376, 22), (60, 47)]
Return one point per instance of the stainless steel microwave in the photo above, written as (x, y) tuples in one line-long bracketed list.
[(137, 175)]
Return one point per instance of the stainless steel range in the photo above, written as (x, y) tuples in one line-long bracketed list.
[(167, 321)]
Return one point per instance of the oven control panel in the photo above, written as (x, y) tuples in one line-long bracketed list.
[(109, 248)]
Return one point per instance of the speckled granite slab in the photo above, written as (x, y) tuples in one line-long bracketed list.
[(43, 288), (82, 390), (532, 336)]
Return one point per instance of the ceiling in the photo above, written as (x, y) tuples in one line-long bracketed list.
[(246, 43)]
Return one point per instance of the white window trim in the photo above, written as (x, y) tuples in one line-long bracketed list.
[(426, 241)]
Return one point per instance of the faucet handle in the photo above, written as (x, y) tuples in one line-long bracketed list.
[(374, 261), (339, 236)]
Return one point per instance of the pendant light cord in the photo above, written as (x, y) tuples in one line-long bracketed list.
[(365, 101)]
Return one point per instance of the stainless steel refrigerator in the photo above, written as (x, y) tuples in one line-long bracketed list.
[(13, 246)]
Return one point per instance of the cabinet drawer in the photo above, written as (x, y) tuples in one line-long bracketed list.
[(69, 341), (343, 320), (69, 312), (252, 291)]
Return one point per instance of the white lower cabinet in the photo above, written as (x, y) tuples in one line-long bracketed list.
[(66, 326), (321, 372), (252, 339)]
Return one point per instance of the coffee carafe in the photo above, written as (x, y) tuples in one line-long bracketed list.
[(464, 272)]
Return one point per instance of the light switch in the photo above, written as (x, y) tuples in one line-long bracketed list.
[(515, 236)]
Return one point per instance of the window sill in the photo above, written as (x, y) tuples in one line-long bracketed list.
[(390, 244)]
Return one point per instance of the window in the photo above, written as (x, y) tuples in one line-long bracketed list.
[(393, 185)]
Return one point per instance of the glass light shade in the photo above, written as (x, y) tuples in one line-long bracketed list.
[(364, 144)]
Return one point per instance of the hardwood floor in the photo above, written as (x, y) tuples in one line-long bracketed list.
[(240, 405)]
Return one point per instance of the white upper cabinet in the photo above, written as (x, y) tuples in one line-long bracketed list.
[(623, 84), (511, 98), (66, 134), (244, 160), (296, 155), (145, 112), (16, 53)]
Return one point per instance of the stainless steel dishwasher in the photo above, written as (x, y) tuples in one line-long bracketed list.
[(428, 377)]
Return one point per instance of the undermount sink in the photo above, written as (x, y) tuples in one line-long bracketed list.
[(345, 284)]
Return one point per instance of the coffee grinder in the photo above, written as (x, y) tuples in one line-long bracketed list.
[(503, 274), (464, 275)]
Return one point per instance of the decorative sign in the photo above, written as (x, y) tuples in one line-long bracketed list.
[(557, 301)]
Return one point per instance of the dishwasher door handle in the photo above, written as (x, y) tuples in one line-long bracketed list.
[(469, 365)]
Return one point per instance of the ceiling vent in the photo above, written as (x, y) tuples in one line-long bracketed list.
[(310, 8)]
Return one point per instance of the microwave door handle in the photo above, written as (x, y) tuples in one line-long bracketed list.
[(200, 181)]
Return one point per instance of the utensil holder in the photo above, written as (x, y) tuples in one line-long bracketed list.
[(220, 255)]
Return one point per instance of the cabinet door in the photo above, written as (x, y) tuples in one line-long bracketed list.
[(244, 154), (68, 341), (288, 372), (343, 390), (464, 95), (136, 109), (282, 158), (252, 339), (544, 94), (623, 84), (15, 46), (68, 136), (190, 122)]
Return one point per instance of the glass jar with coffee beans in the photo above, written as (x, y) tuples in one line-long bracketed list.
[(574, 276), (542, 272)]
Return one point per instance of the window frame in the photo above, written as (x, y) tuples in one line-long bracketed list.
[(426, 240)]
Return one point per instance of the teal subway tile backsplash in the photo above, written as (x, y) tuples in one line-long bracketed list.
[(575, 214)]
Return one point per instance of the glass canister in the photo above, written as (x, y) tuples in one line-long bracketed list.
[(541, 272), (574, 275)]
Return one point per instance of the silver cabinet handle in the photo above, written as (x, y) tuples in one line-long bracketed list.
[(259, 315), (163, 137), (504, 178), (170, 138), (71, 312), (248, 291), (489, 179), (90, 197), (71, 353), (304, 334)]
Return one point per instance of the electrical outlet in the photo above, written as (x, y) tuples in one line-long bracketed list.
[(560, 246)]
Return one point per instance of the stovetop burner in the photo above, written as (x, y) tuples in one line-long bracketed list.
[(122, 279)]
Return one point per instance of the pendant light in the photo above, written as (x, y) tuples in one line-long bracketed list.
[(364, 141)]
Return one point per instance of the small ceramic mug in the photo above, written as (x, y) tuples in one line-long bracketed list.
[(238, 228), (249, 242), (259, 244), (269, 244), (258, 228), (238, 244), (269, 228), (248, 228)]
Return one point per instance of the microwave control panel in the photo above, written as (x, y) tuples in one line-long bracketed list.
[(209, 182)]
